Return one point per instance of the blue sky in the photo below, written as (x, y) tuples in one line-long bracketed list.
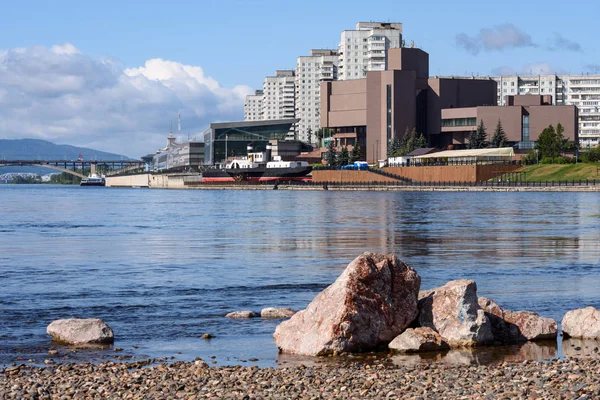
[(237, 43)]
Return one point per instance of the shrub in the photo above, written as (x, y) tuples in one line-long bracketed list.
[(547, 160), (591, 156), (529, 159), (563, 160)]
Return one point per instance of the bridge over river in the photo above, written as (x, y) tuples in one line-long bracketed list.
[(76, 167)]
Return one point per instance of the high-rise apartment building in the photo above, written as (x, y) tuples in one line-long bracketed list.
[(253, 107), (279, 95), (582, 91), (319, 66), (365, 48)]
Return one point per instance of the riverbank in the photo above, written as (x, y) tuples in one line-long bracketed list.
[(396, 188), (565, 379)]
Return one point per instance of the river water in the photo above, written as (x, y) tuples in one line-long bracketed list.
[(163, 267)]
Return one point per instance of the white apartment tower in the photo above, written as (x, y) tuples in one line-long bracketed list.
[(278, 95), (253, 106), (319, 66), (365, 49), (582, 91)]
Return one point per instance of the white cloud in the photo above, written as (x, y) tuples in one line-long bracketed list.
[(66, 49), (496, 38), (540, 68), (62, 95)]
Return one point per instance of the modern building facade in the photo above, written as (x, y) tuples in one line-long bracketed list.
[(523, 118), (319, 66), (384, 105), (253, 107), (582, 91), (366, 48), (178, 156), (230, 139)]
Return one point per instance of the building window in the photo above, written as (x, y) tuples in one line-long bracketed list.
[(525, 133)]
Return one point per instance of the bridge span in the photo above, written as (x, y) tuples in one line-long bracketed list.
[(76, 167)]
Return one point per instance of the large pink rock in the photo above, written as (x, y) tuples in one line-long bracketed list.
[(583, 323), (452, 311), (517, 326), (370, 303)]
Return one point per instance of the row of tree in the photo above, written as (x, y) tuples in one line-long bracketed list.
[(478, 138), (337, 159), (408, 143)]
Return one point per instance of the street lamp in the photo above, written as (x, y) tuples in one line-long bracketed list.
[(537, 160)]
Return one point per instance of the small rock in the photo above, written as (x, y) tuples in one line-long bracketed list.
[(80, 331), (417, 340), (53, 352), (275, 313), (207, 336), (242, 314)]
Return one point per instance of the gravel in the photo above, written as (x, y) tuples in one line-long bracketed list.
[(565, 379)]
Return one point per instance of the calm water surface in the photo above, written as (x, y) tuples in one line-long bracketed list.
[(163, 267)]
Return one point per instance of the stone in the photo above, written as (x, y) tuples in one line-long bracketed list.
[(80, 331), (368, 305), (452, 311), (208, 336), (418, 340), (517, 326), (583, 323), (242, 314), (274, 313)]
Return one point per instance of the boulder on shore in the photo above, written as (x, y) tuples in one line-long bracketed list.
[(80, 331), (583, 323), (452, 311), (369, 304), (517, 326), (418, 340), (275, 313), (242, 314)]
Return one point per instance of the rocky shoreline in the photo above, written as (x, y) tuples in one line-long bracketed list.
[(565, 379)]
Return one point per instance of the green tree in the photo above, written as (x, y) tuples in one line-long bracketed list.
[(331, 156), (421, 142), (499, 139), (409, 142), (394, 147), (320, 134), (344, 157), (562, 141), (478, 138), (356, 154), (548, 143)]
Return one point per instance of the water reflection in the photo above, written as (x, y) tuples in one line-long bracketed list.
[(586, 348)]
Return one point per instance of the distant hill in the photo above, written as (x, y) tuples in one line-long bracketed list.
[(34, 149)]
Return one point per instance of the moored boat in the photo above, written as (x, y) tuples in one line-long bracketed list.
[(93, 180), (258, 167)]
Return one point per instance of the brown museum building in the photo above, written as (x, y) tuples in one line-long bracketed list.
[(385, 104)]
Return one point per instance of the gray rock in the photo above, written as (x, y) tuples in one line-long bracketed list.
[(242, 314), (583, 323), (80, 331), (275, 313), (452, 311), (418, 340)]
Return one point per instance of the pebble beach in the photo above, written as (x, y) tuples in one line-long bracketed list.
[(571, 378)]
